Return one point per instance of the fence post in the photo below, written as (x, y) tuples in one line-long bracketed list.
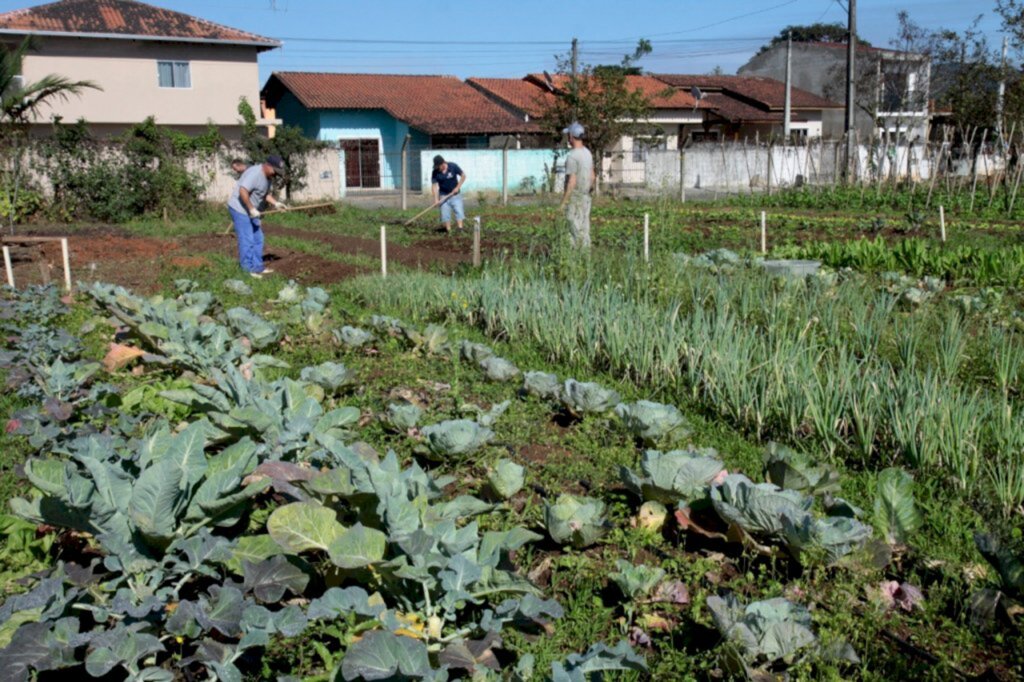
[(7, 267), (942, 223), (682, 177), (476, 242), (504, 171), (383, 251), (764, 232), (647, 238), (66, 256), (405, 171), (769, 179)]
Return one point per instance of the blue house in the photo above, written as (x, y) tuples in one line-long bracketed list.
[(370, 117)]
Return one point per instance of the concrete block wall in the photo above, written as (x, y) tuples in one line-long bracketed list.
[(483, 168)]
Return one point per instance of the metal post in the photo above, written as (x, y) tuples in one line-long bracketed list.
[(7, 267), (1001, 95), (383, 251), (789, 84), (575, 69), (504, 170), (942, 223), (476, 242), (65, 254), (405, 171), (647, 238), (682, 177), (851, 93), (764, 232)]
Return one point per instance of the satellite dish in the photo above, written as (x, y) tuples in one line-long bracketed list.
[(697, 96), (549, 82)]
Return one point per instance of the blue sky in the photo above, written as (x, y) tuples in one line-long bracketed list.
[(509, 39)]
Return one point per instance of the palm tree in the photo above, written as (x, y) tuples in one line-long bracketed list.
[(20, 105)]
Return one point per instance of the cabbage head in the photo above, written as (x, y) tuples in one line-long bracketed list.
[(653, 422), (456, 437), (834, 536), (352, 337), (757, 508), (499, 369), (402, 416), (587, 397), (542, 385), (330, 376), (763, 631), (474, 352), (574, 520), (676, 476)]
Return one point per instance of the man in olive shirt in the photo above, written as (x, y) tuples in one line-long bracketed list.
[(579, 180)]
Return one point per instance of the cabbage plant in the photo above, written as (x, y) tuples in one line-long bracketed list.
[(757, 508), (575, 520), (652, 422), (682, 476), (761, 632), (636, 582), (499, 369), (542, 385), (260, 332), (474, 352), (402, 416), (352, 337), (330, 376), (455, 437), (506, 478), (794, 470), (587, 397), (834, 536)]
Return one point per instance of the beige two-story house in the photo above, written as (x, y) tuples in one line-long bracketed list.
[(185, 71)]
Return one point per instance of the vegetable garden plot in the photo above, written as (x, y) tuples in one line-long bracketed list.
[(264, 516)]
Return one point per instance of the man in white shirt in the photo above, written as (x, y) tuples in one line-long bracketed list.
[(579, 180)]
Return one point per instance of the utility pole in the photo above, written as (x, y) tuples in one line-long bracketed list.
[(1001, 95), (575, 69), (851, 57), (789, 86)]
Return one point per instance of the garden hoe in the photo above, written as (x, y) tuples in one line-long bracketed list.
[(413, 219), (327, 207)]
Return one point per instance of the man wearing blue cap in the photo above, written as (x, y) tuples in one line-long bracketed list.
[(244, 207), (579, 180)]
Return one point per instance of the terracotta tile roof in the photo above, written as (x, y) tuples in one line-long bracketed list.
[(756, 90), (733, 110), (437, 105), (517, 93), (123, 18), (661, 95)]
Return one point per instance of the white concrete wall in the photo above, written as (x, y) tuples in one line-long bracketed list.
[(323, 179), (483, 167)]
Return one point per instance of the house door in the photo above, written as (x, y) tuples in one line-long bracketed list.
[(362, 163)]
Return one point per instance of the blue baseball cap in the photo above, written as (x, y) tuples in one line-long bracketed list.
[(574, 129)]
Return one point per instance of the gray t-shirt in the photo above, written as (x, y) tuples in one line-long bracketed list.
[(258, 185), (580, 163)]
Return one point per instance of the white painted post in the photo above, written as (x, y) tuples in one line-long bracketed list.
[(942, 223), (383, 251), (7, 267), (647, 238), (764, 232), (66, 255), (476, 242)]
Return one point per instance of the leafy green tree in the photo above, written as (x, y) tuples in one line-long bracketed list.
[(601, 99), (289, 143), (812, 33), (20, 105)]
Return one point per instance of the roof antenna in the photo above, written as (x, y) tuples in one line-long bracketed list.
[(697, 96), (549, 82)]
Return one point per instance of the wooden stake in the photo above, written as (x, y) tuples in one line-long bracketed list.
[(383, 251), (647, 238), (66, 256), (942, 223), (7, 267), (764, 232), (476, 242)]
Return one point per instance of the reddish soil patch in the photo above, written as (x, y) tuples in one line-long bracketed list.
[(416, 256), (541, 453), (190, 262)]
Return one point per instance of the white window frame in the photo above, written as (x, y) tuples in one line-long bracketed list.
[(173, 63)]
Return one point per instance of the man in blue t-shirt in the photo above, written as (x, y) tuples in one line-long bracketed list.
[(446, 183)]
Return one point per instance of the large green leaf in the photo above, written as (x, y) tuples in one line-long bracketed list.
[(896, 515), (252, 548), (270, 579), (186, 453), (382, 655), (358, 547), (155, 500), (302, 526)]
